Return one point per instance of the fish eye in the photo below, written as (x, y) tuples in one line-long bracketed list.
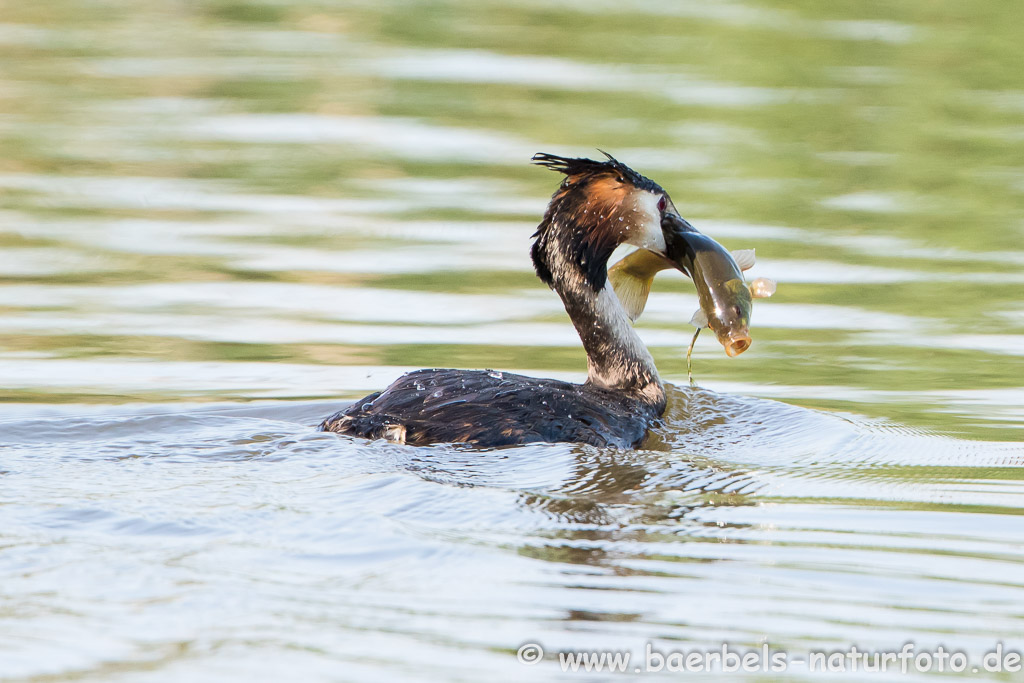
[(662, 203)]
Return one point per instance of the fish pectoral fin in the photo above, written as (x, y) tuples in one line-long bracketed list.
[(744, 258), (762, 288), (631, 290), (699, 319)]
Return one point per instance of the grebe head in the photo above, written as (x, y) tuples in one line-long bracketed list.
[(598, 206)]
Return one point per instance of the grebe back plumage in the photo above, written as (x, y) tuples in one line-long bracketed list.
[(599, 205)]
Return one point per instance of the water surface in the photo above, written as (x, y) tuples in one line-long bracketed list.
[(221, 221)]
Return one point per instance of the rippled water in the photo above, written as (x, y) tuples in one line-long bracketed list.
[(220, 221)]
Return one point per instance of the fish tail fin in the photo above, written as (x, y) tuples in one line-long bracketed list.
[(631, 279), (631, 289)]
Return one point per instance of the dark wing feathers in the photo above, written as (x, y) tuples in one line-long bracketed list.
[(494, 409)]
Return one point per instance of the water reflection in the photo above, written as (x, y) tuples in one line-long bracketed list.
[(220, 221), (421, 544)]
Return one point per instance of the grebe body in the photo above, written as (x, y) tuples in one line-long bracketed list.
[(599, 205), (489, 408)]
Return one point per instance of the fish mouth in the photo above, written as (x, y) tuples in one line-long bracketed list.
[(736, 344)]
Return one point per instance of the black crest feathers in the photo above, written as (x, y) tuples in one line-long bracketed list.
[(582, 169)]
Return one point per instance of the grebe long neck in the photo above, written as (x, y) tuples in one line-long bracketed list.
[(616, 357), (599, 205)]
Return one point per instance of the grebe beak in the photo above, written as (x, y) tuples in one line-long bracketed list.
[(674, 226), (679, 237)]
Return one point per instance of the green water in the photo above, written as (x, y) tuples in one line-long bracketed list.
[(221, 220), (871, 153)]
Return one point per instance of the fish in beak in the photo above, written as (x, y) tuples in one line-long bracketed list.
[(725, 300), (724, 295)]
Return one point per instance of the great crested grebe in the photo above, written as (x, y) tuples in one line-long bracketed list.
[(599, 205)]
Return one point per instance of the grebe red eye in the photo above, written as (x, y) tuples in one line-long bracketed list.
[(662, 203)]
